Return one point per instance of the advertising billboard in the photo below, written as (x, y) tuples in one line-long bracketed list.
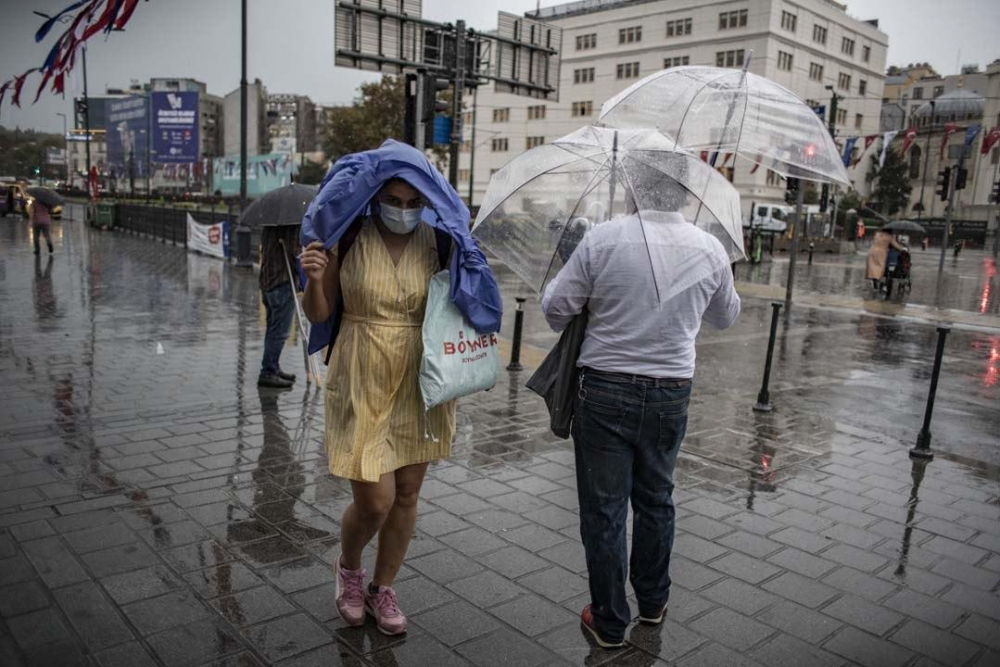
[(175, 127), (127, 136)]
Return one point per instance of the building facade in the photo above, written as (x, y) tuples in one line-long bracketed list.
[(291, 121), (607, 45), (258, 140)]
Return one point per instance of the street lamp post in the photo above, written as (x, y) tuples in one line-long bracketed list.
[(65, 148), (243, 239), (86, 111)]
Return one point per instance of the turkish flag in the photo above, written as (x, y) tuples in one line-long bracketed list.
[(948, 129), (910, 135), (869, 140), (991, 138)]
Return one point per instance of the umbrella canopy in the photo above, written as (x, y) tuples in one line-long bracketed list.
[(283, 207), (48, 198), (539, 205), (727, 110), (904, 226)]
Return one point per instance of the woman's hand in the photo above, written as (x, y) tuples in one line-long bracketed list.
[(314, 261)]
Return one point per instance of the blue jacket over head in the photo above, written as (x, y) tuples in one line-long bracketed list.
[(347, 192)]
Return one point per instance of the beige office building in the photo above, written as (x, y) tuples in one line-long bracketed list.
[(607, 45)]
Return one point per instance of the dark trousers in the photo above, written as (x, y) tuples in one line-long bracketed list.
[(627, 433), (38, 231), (280, 306)]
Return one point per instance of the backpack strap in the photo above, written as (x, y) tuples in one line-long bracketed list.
[(343, 246)]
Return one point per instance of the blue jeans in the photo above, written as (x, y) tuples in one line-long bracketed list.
[(280, 306), (627, 434)]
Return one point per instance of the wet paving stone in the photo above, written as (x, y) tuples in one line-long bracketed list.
[(197, 513)]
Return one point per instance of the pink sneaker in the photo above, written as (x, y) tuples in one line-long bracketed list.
[(351, 595), (382, 605)]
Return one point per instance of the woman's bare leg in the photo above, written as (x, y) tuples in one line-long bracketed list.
[(363, 518), (395, 533)]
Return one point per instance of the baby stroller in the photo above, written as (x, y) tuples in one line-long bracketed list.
[(897, 272)]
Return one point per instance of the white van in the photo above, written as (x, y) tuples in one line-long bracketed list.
[(774, 217)]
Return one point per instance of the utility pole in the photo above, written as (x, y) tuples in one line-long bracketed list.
[(86, 114), (472, 146), (947, 213), (243, 109), (65, 151), (927, 161), (456, 109), (793, 249)]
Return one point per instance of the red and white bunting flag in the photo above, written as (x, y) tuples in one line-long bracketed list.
[(948, 130), (869, 140), (910, 135), (704, 156), (726, 159), (989, 139)]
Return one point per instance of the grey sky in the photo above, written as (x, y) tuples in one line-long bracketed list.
[(291, 44)]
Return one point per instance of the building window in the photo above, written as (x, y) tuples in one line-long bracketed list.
[(784, 61), (628, 70), (815, 71), (582, 109), (532, 142), (630, 35), (847, 46), (938, 91), (844, 81), (677, 61), (773, 180), (788, 21), (584, 42), (501, 115), (841, 116), (819, 34), (465, 146), (858, 120), (866, 53), (995, 156), (862, 87), (536, 112), (678, 28), (584, 75), (463, 175), (812, 103), (729, 58), (918, 93), (730, 20), (499, 145)]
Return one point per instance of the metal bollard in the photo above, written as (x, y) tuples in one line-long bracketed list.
[(923, 448), (515, 350), (764, 397), (811, 248)]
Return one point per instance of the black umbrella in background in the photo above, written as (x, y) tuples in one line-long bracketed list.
[(44, 196), (283, 207), (904, 226)]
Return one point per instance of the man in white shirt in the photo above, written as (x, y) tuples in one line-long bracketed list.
[(647, 281)]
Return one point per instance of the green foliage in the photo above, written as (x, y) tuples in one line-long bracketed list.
[(892, 184), (310, 173), (21, 151), (375, 116)]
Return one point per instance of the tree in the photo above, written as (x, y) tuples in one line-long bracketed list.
[(892, 184), (22, 151), (375, 116), (310, 173)]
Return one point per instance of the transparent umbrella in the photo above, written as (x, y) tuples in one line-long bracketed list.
[(728, 110), (539, 205)]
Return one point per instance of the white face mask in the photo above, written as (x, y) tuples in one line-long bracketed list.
[(399, 220)]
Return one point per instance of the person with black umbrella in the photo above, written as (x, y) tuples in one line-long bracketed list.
[(41, 224), (277, 243)]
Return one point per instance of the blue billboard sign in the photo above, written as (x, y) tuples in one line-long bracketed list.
[(127, 136), (175, 126)]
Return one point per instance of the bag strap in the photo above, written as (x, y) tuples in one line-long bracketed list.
[(443, 247)]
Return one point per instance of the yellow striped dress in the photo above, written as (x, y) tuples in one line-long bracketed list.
[(375, 418)]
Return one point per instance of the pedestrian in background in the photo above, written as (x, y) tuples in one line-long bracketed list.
[(630, 414), (278, 245), (41, 224), (878, 255)]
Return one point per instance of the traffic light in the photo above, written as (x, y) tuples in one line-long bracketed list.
[(429, 105), (943, 183), (824, 198), (791, 190), (960, 177), (995, 198)]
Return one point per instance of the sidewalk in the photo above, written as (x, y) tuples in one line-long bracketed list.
[(156, 509)]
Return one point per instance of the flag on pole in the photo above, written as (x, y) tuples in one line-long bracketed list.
[(849, 150), (989, 139), (948, 129), (887, 138), (910, 135)]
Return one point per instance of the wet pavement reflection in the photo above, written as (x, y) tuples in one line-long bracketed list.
[(156, 508)]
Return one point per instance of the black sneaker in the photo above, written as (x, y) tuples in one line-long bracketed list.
[(273, 381), (286, 376)]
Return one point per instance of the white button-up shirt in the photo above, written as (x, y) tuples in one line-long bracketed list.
[(638, 326)]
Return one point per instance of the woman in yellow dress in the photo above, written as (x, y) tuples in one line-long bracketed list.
[(377, 432)]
